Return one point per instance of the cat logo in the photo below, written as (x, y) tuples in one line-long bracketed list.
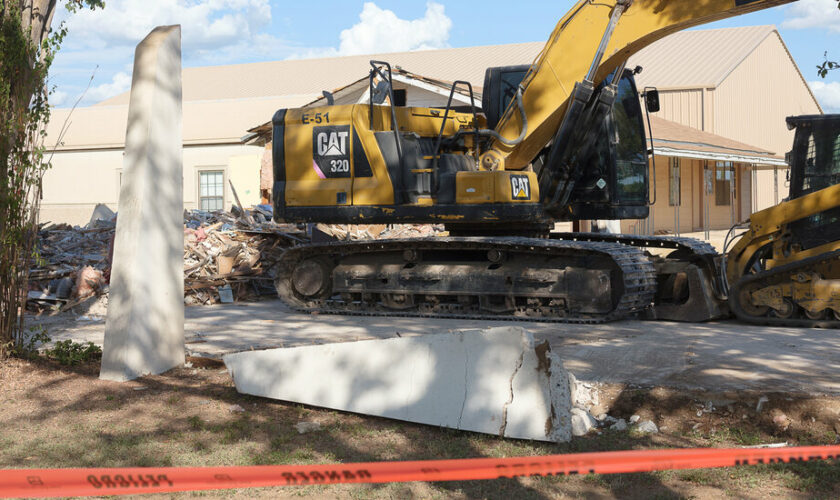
[(520, 187), (332, 143), (331, 151)]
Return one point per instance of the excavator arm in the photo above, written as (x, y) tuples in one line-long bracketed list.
[(588, 44)]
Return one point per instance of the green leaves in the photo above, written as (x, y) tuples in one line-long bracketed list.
[(826, 66), (24, 113)]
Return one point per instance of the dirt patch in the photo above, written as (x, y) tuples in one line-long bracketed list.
[(53, 416)]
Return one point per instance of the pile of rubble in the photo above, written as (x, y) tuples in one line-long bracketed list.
[(228, 256), (355, 232)]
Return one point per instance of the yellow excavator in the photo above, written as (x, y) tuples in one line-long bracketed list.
[(562, 139), (785, 268)]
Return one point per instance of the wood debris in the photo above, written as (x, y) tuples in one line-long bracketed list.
[(233, 251)]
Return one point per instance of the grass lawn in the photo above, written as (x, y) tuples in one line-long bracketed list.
[(56, 416)]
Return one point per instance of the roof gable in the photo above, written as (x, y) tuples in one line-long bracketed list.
[(697, 58)]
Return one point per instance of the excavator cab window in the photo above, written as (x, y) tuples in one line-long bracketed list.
[(500, 86), (630, 150), (614, 183)]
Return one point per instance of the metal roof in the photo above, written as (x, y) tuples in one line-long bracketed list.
[(311, 76), (222, 102), (673, 139), (698, 58), (204, 122)]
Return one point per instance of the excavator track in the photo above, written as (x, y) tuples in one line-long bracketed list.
[(776, 276), (701, 249), (690, 288), (496, 278)]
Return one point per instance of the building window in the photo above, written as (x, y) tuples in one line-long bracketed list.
[(724, 178), (674, 182), (211, 189)]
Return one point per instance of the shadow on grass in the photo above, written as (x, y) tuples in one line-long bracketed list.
[(184, 419)]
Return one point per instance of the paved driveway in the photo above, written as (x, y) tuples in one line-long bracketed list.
[(714, 356)]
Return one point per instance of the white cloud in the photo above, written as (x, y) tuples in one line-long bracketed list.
[(118, 84), (205, 25), (215, 32), (806, 14), (380, 30), (828, 94), (58, 98), (212, 32)]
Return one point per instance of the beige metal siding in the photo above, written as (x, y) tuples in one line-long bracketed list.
[(665, 215), (751, 104), (745, 189), (770, 188), (692, 209), (682, 106)]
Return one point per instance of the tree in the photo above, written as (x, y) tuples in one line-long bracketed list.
[(827, 65), (27, 47)]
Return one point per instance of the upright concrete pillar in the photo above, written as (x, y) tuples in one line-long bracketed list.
[(144, 331)]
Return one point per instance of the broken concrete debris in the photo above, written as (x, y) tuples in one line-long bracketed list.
[(497, 381), (584, 394), (620, 425), (646, 427), (375, 231), (582, 422), (221, 249)]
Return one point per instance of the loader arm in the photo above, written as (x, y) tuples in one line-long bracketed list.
[(769, 226), (588, 44)]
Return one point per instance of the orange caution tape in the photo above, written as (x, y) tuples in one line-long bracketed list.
[(125, 481)]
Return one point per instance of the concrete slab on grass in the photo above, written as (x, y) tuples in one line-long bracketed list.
[(497, 381)]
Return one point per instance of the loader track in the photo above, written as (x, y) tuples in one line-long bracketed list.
[(776, 276), (633, 278)]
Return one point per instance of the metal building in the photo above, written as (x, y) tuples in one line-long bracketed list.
[(735, 84)]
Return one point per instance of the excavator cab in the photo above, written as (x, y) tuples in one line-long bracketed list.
[(614, 180)]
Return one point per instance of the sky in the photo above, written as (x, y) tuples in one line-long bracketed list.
[(96, 59)]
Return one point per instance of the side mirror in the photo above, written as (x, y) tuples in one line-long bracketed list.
[(652, 100)]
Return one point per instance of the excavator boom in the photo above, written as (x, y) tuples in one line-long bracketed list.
[(588, 44)]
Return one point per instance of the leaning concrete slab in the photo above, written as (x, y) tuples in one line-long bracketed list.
[(144, 331), (496, 381)]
